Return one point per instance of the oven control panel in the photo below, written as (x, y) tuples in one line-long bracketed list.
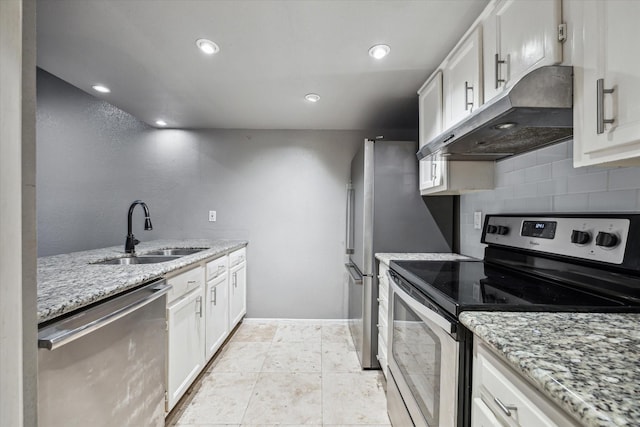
[(593, 238)]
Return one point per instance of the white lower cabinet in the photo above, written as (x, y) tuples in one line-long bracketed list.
[(237, 286), (501, 397), (217, 312), (186, 334), (206, 301), (383, 316)]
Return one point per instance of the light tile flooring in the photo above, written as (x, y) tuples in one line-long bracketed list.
[(286, 373)]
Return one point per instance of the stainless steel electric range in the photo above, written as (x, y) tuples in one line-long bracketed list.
[(554, 262)]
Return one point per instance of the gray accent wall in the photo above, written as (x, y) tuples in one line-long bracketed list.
[(284, 191), (546, 181)]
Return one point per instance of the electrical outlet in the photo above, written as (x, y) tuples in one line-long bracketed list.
[(212, 216), (477, 220)]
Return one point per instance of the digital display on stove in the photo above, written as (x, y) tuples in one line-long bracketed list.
[(541, 229)]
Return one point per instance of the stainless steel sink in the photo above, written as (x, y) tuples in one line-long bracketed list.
[(143, 259), (176, 251)]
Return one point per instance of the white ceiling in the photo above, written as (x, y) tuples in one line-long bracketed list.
[(272, 54)]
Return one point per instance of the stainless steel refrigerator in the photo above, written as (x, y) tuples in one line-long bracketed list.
[(385, 213)]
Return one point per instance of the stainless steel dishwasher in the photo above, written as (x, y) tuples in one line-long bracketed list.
[(105, 366)]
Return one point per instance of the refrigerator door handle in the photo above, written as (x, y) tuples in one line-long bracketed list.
[(356, 277), (350, 219)]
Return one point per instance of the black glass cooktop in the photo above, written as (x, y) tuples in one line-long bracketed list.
[(474, 285)]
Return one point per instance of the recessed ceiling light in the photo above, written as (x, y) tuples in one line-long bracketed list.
[(101, 88), (312, 97), (379, 51), (207, 46), (161, 123)]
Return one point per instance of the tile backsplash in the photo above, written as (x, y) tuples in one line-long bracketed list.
[(546, 181)]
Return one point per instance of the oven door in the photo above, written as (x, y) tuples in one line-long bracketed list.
[(423, 361)]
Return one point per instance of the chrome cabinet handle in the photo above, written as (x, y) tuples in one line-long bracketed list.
[(468, 105), (199, 305), (214, 295), (235, 279), (191, 282), (505, 408), (497, 69), (219, 271), (600, 92), (434, 167)]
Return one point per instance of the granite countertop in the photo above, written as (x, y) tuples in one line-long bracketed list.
[(398, 256), (587, 363), (70, 281)]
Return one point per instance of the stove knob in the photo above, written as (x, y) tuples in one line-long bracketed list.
[(491, 229), (503, 230), (580, 237), (607, 240)]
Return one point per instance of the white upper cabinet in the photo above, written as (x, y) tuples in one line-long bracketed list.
[(430, 106), (607, 82), (456, 177), (519, 36), (462, 79)]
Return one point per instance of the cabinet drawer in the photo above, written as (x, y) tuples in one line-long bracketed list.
[(382, 355), (237, 257), (511, 398), (185, 282), (383, 287), (383, 329), (383, 306), (217, 267)]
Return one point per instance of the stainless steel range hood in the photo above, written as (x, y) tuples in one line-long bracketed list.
[(536, 111)]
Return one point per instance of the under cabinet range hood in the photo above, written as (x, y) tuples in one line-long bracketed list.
[(536, 111)]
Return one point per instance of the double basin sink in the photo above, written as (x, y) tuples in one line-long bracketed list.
[(153, 257)]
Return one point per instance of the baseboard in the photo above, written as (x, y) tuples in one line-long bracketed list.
[(272, 320)]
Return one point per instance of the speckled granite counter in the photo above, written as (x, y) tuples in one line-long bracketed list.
[(388, 257), (588, 363), (70, 281)]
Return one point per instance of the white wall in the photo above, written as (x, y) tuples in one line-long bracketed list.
[(284, 191)]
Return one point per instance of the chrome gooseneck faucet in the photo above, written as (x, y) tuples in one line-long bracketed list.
[(130, 244)]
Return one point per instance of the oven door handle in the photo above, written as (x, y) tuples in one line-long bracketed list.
[(422, 309)]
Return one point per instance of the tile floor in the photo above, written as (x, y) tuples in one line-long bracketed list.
[(286, 373)]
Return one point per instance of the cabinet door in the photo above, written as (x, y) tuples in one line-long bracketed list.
[(434, 169), (524, 34), (237, 294), (430, 106), (185, 343), (462, 80), (217, 313), (608, 51)]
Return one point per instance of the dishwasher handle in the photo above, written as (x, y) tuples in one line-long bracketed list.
[(54, 337)]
